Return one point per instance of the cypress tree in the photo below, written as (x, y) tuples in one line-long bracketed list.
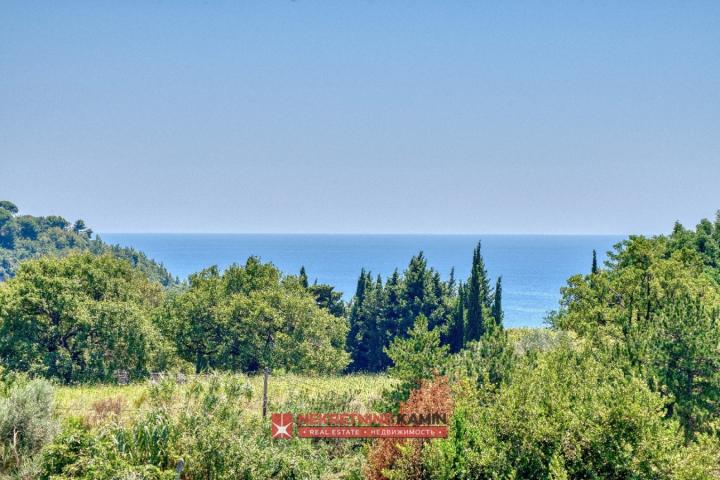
[(392, 305), (303, 277), (414, 291), (375, 337), (594, 263), (497, 303), (456, 329), (433, 307), (478, 297), (357, 320)]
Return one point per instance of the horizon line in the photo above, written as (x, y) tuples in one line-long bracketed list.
[(379, 234)]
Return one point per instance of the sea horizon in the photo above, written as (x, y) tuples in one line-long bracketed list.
[(101, 234), (534, 266)]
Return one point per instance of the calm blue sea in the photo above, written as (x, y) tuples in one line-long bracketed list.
[(533, 267)]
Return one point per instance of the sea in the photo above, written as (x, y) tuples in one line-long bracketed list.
[(533, 267)]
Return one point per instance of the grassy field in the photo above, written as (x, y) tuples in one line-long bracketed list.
[(284, 392)]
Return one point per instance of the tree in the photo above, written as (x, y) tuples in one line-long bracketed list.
[(5, 217), (78, 318), (7, 233), (358, 321), (497, 311), (683, 352), (25, 237), (567, 413), (54, 221), (192, 321), (419, 356), (79, 226), (489, 360), (275, 328), (8, 206), (594, 263), (654, 308), (415, 282), (367, 336), (326, 297), (456, 330), (27, 227), (478, 297), (250, 317), (303, 277), (393, 308)]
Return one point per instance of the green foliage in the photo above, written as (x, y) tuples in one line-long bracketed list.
[(490, 359), (497, 311), (478, 297), (418, 357), (249, 317), (79, 452), (456, 330), (77, 318), (303, 278), (381, 312), (681, 352), (326, 297), (207, 427), (28, 237), (566, 414), (26, 424), (367, 335), (594, 269), (655, 310), (8, 206)]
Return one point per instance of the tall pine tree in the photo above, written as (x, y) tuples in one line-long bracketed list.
[(358, 320), (393, 310), (456, 328), (497, 312), (415, 288), (478, 297), (594, 263), (303, 277)]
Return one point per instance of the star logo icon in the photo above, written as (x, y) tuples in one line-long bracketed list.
[(282, 425)]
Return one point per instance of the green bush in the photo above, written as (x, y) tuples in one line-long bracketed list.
[(567, 414), (206, 427), (26, 424)]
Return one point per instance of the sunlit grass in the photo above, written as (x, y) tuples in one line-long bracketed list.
[(283, 390)]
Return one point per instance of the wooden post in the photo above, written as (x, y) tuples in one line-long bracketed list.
[(265, 383)]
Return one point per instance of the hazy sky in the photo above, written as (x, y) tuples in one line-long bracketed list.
[(362, 116)]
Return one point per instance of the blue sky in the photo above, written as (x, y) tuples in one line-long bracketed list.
[(382, 116)]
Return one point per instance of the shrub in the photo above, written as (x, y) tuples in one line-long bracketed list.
[(26, 424), (207, 427), (401, 458), (566, 414)]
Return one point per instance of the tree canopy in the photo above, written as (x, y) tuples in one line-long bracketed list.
[(250, 317), (24, 237), (78, 318), (656, 308)]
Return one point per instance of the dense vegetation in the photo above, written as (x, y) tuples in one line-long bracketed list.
[(25, 237), (625, 383), (379, 312), (80, 318), (250, 317)]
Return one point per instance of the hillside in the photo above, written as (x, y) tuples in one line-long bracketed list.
[(24, 237)]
